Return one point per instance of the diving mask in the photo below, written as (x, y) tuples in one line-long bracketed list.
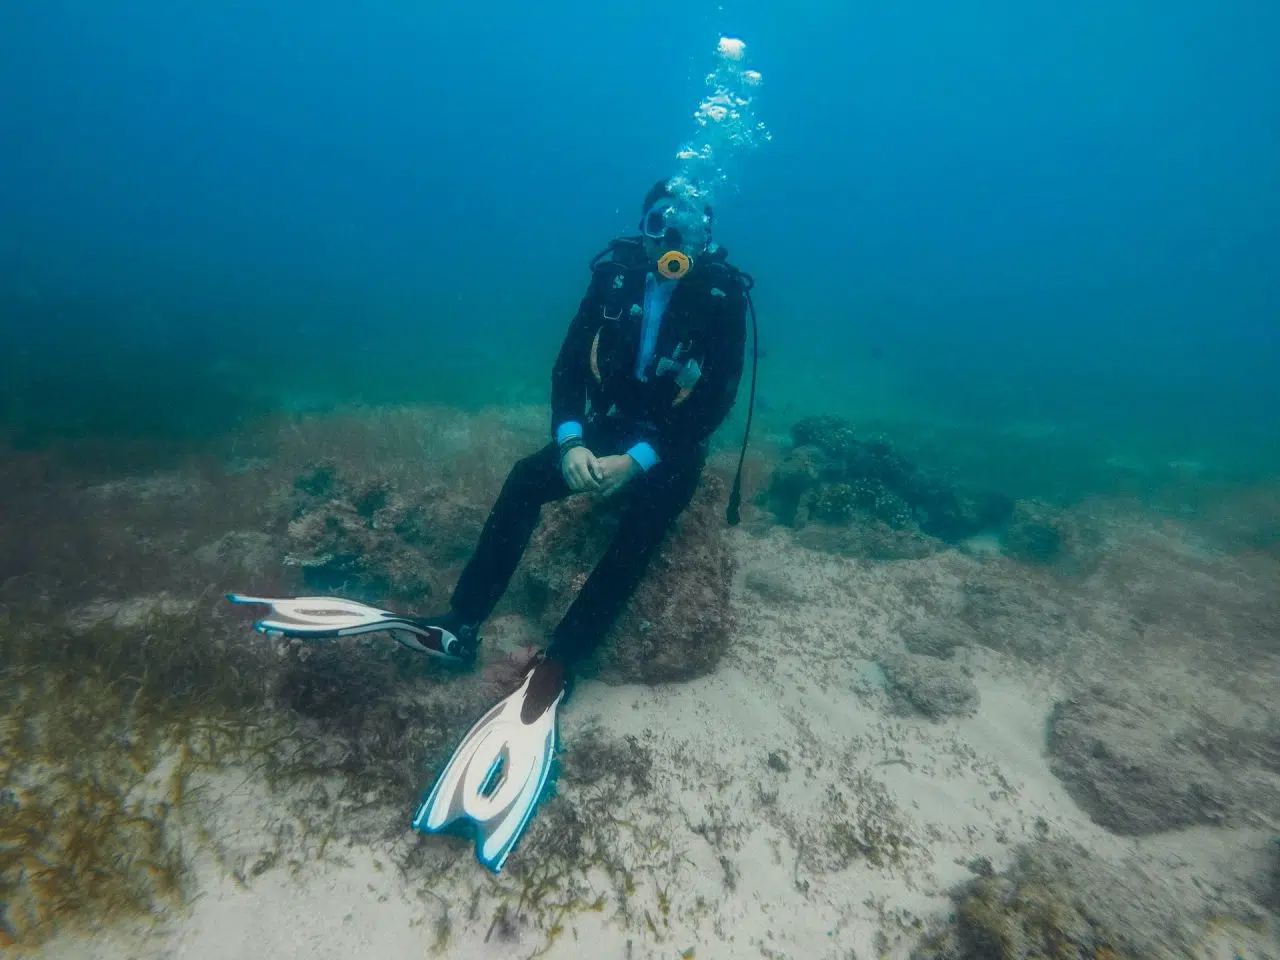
[(679, 231)]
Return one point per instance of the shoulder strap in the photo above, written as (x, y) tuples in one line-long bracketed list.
[(624, 251), (716, 262)]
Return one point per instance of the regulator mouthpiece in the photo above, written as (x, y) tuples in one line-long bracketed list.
[(673, 264)]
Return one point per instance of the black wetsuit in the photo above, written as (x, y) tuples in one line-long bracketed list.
[(594, 384)]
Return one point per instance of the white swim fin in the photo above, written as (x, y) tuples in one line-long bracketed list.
[(326, 618), (499, 773)]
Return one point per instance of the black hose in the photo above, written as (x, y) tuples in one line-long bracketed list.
[(734, 512)]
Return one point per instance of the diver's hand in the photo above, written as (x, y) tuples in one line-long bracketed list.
[(617, 472), (581, 470)]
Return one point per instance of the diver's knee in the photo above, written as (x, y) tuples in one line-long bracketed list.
[(527, 474)]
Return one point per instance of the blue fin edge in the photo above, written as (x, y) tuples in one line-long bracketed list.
[(469, 829)]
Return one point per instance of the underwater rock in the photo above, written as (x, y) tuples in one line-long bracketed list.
[(366, 709), (372, 542), (868, 541), (167, 486), (130, 614), (955, 515), (935, 639), (773, 586), (936, 688), (799, 473), (1120, 760), (1271, 899), (833, 478), (245, 551), (833, 436), (677, 624), (1040, 533), (1035, 533), (1058, 900)]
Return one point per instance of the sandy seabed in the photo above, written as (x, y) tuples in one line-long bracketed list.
[(821, 794), (748, 766)]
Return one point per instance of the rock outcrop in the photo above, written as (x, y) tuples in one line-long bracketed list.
[(678, 623), (858, 495), (367, 539), (1126, 764)]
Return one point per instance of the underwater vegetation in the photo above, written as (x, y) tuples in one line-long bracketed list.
[(929, 684), (597, 846), (368, 539), (859, 822), (1058, 901), (834, 478), (846, 493), (127, 684), (101, 729), (582, 853)]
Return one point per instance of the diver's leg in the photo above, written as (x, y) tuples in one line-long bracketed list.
[(661, 496), (533, 481)]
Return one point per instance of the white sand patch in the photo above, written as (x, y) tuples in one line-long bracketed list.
[(130, 614)]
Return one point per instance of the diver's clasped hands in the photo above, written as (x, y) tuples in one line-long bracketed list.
[(581, 469), (616, 472), (587, 473)]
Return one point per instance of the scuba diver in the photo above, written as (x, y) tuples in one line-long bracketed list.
[(648, 370)]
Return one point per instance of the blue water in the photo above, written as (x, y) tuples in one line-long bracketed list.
[(1020, 233)]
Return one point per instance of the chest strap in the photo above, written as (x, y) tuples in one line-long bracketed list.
[(681, 396)]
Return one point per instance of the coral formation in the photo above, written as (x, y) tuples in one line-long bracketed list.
[(678, 623), (833, 478)]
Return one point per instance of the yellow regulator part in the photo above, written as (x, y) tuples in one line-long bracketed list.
[(673, 264)]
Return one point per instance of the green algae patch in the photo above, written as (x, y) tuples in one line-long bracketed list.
[(101, 726)]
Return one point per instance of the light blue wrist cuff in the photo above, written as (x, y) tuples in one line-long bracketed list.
[(644, 455), (567, 430)]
